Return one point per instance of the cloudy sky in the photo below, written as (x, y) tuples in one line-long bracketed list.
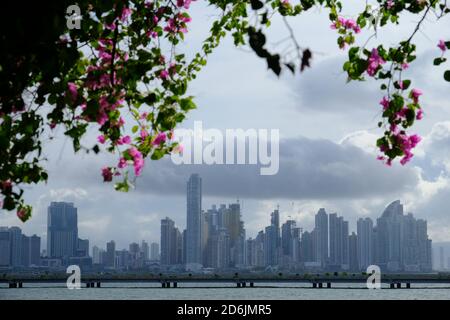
[(327, 155)]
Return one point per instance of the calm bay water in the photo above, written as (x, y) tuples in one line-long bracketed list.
[(148, 291)]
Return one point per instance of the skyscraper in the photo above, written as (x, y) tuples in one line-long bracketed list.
[(402, 243), (83, 248), (145, 250), (270, 246), (5, 247), (353, 252), (441, 258), (62, 230), (16, 246), (194, 222), (287, 239), (307, 246), (339, 257), (154, 251), (171, 243), (321, 236), (97, 255), (365, 243), (110, 254)]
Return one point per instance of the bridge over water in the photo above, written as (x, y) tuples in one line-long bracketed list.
[(241, 280)]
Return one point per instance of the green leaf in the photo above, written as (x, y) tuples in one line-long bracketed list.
[(447, 75), (438, 61)]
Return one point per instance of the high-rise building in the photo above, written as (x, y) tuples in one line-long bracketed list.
[(307, 246), (83, 248), (16, 246), (204, 235), (296, 244), (110, 254), (402, 243), (62, 230), (135, 255), (31, 251), (154, 251), (194, 223), (171, 243), (97, 255), (389, 237), (287, 238), (145, 250), (218, 249), (5, 247), (339, 257), (270, 246), (17, 249), (441, 258), (353, 252), (272, 240), (365, 242), (321, 237)]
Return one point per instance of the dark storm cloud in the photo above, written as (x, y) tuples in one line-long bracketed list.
[(324, 88), (309, 169)]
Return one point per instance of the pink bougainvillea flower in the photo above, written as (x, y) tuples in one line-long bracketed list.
[(102, 118), (124, 140), (138, 160), (419, 115), (122, 163), (160, 138), (23, 214), (415, 94), (133, 151), (107, 174), (6, 185), (138, 165), (164, 74), (184, 3), (110, 26), (385, 103), (441, 45), (143, 115), (144, 134), (375, 61), (101, 139), (125, 14), (72, 87)]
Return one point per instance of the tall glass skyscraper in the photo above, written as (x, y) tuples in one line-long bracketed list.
[(62, 230), (321, 237), (193, 227)]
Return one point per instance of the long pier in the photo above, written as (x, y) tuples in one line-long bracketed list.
[(241, 281)]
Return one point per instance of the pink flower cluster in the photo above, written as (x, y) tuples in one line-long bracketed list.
[(375, 61), (177, 24), (105, 80), (441, 45), (400, 139), (348, 24), (160, 138), (184, 3), (107, 174), (138, 160)]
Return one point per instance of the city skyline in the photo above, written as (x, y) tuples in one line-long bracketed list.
[(327, 148), (396, 240)]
